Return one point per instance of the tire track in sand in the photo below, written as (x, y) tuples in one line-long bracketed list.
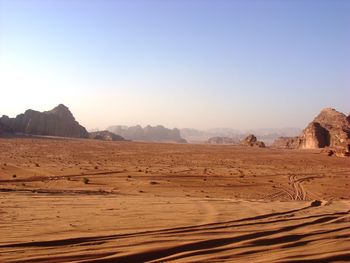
[(300, 193)]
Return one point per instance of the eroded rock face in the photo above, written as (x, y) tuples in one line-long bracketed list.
[(56, 122), (105, 136), (314, 136), (330, 129), (252, 141)]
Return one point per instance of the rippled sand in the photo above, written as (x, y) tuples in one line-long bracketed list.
[(149, 202)]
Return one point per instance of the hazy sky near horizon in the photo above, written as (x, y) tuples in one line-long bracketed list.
[(199, 64)]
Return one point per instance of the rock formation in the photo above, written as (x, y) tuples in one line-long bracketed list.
[(267, 135), (149, 133), (252, 141), (4, 129), (314, 136), (221, 140), (286, 142), (105, 136), (329, 129), (56, 122)]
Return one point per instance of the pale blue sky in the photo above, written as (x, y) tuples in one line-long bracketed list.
[(199, 64)]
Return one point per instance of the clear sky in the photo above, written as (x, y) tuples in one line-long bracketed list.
[(200, 64)]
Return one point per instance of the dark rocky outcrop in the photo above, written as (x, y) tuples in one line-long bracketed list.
[(149, 133), (56, 122), (330, 129), (105, 136), (221, 140), (252, 141), (316, 203), (5, 130)]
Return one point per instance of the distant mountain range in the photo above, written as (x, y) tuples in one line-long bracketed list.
[(60, 122), (267, 135), (149, 133), (329, 129)]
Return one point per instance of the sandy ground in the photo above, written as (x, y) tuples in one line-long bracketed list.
[(65, 200)]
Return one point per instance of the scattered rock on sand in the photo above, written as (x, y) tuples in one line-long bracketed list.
[(328, 152), (316, 203)]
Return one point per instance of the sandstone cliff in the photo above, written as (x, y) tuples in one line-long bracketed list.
[(56, 122), (329, 129)]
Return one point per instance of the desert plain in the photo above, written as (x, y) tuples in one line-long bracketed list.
[(80, 200)]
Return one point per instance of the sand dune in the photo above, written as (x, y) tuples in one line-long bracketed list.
[(170, 203)]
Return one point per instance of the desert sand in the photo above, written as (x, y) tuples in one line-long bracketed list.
[(79, 200)]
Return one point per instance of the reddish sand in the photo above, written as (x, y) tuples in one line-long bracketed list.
[(68, 200)]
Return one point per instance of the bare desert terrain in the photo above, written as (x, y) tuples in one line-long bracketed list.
[(79, 200)]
